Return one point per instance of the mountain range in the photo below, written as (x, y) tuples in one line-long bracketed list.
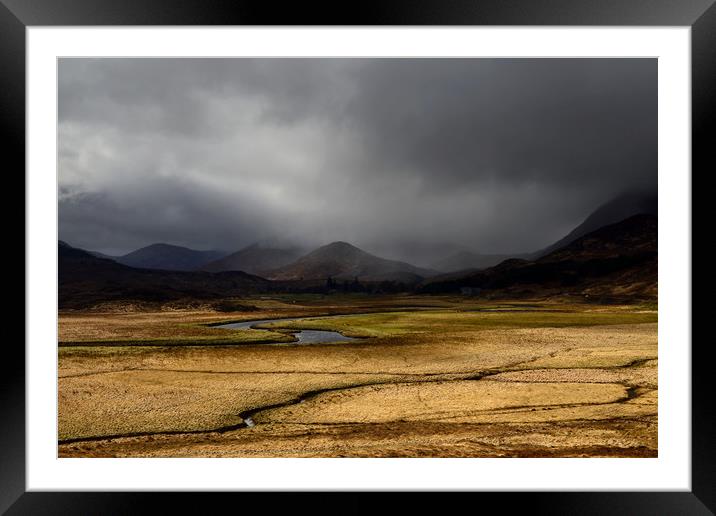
[(613, 249), (85, 279), (344, 260)]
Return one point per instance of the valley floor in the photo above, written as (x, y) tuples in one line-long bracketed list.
[(433, 377)]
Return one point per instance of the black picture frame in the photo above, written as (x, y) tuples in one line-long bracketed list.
[(16, 15)]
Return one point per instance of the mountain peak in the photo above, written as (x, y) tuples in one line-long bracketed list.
[(340, 245), (162, 245), (340, 251), (343, 260)]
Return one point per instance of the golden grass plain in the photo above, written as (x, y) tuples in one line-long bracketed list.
[(432, 377)]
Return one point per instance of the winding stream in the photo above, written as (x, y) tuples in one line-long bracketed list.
[(302, 336)]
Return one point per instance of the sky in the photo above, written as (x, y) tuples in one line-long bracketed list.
[(392, 155)]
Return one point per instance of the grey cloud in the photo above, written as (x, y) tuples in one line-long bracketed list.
[(571, 122), (497, 155)]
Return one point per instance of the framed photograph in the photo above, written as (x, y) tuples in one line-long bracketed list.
[(415, 249)]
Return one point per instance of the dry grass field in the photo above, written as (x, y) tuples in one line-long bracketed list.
[(429, 377)]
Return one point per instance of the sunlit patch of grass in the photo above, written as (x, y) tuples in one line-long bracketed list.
[(397, 323), (440, 400), (177, 326), (94, 351), (231, 337), (458, 366)]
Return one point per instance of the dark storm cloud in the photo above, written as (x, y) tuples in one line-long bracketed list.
[(558, 122), (495, 155)]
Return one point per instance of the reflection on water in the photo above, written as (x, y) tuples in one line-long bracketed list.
[(318, 336)]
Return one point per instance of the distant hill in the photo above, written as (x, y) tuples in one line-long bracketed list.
[(464, 260), (85, 279), (168, 257), (616, 261), (341, 260), (421, 253), (254, 259), (616, 210), (74, 262), (102, 255)]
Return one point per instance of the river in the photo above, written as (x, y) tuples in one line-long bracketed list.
[(302, 336)]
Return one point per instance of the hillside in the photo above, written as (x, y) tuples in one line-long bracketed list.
[(341, 260), (615, 261), (616, 210), (168, 257), (254, 259), (85, 279)]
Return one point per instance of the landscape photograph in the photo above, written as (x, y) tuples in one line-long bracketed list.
[(357, 257)]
